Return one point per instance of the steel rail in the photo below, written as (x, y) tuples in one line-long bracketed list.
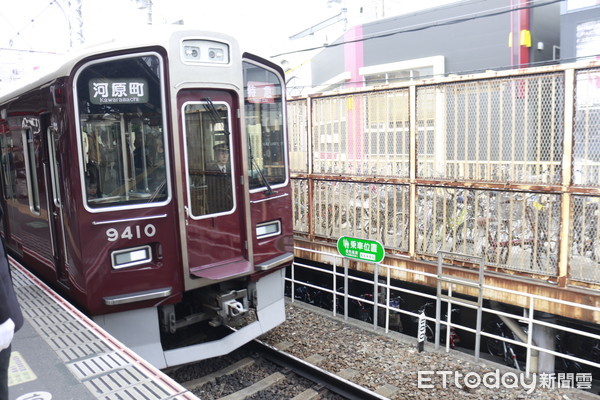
[(332, 382)]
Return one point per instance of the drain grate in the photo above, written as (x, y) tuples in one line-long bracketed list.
[(126, 382), (93, 366)]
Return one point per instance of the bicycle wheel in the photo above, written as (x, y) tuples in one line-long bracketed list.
[(429, 334), (495, 347), (511, 357)]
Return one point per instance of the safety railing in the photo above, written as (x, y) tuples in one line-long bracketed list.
[(501, 333)]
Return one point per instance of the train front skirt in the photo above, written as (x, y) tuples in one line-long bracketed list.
[(270, 311)]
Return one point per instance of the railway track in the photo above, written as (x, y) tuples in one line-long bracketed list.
[(260, 371)]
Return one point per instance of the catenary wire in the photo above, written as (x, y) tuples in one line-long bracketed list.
[(32, 21)]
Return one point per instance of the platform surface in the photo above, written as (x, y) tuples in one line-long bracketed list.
[(63, 355)]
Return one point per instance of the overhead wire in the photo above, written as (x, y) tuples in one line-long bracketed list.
[(26, 50), (31, 22)]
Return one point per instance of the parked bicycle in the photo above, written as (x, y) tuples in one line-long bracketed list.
[(357, 308), (429, 309), (502, 348), (562, 364), (315, 297), (363, 309)]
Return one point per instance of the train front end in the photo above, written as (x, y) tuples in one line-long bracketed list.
[(184, 177)]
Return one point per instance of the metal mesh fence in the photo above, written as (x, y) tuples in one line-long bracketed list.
[(586, 135), (364, 134), (363, 210), (499, 144), (298, 135), (507, 130), (584, 237), (301, 205), (517, 230)]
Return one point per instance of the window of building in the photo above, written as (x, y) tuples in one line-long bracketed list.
[(390, 73)]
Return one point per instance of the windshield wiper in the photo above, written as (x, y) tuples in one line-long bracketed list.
[(269, 190), (214, 114)]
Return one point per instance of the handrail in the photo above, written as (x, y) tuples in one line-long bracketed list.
[(530, 319)]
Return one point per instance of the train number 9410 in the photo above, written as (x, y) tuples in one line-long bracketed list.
[(131, 232)]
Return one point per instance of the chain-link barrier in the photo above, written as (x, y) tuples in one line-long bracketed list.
[(584, 238), (586, 148), (362, 210), (298, 134), (491, 155), (301, 205), (516, 230), (364, 134), (506, 130)]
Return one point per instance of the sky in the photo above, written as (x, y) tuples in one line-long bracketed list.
[(42, 25), (261, 26)]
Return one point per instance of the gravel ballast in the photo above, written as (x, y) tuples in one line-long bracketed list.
[(391, 364)]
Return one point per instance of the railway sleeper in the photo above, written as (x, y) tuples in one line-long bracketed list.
[(231, 369), (259, 386)]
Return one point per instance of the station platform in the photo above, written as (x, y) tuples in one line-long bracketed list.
[(61, 354)]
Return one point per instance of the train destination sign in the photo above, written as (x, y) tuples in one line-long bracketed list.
[(361, 249), (261, 92), (124, 91)]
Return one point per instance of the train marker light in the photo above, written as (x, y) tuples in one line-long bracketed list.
[(130, 257), (268, 229), (361, 249)]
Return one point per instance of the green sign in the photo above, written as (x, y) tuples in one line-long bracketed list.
[(361, 249)]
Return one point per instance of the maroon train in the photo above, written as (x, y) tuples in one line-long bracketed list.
[(148, 182)]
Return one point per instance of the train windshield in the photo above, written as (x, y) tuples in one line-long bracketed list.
[(121, 116), (264, 123)]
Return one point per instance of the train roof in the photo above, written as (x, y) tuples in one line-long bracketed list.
[(156, 35)]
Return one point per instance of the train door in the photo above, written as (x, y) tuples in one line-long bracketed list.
[(215, 227), (55, 207), (7, 175)]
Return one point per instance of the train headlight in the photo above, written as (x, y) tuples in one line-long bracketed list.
[(204, 51), (216, 54), (268, 229), (130, 257), (191, 52)]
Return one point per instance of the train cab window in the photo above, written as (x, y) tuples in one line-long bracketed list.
[(209, 157), (264, 123), (123, 153)]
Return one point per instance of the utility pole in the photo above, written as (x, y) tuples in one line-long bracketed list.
[(145, 5), (72, 12)]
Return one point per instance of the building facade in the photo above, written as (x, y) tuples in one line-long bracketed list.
[(461, 37), (580, 29)]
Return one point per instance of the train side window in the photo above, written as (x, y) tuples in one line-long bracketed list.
[(30, 151), (124, 157), (264, 106)]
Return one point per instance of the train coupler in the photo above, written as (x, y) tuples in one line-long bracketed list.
[(230, 306)]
